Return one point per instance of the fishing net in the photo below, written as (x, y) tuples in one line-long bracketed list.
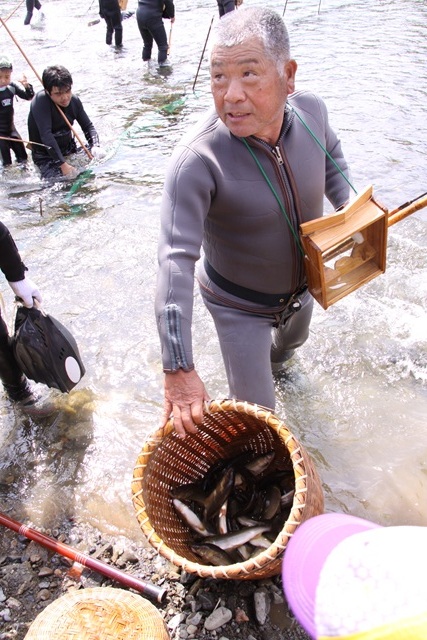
[(229, 429), (99, 612)]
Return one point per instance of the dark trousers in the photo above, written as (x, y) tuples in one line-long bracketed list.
[(18, 148), (152, 29), (114, 25), (30, 8), (224, 6), (11, 375)]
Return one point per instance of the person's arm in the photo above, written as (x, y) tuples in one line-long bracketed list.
[(185, 204), (14, 269), (85, 123), (27, 92), (169, 10), (10, 260), (337, 189)]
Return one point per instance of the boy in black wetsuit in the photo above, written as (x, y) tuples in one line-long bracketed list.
[(47, 126), (8, 90)]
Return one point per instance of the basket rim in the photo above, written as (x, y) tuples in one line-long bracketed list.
[(266, 556)]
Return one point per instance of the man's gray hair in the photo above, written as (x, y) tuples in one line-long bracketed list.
[(265, 24)]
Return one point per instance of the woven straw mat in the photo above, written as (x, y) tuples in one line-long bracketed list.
[(99, 613), (229, 428)]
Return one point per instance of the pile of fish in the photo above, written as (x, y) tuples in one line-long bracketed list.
[(238, 508)]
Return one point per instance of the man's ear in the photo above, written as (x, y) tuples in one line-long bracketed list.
[(290, 72)]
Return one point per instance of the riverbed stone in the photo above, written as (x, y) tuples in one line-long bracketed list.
[(218, 618)]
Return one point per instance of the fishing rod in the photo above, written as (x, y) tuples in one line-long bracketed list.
[(148, 589), (286, 4), (203, 53), (85, 149), (407, 208), (25, 141), (170, 39)]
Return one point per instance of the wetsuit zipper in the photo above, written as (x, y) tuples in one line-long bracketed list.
[(289, 200)]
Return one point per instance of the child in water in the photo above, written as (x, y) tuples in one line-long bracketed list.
[(8, 90)]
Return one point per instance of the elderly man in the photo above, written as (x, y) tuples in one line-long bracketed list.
[(238, 186)]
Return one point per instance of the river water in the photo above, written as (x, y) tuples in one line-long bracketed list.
[(355, 394)]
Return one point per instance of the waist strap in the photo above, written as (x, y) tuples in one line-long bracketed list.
[(268, 299)]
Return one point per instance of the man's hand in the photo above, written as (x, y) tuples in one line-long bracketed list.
[(68, 170), (185, 395)]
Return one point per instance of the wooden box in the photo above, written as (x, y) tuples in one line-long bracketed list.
[(345, 250)]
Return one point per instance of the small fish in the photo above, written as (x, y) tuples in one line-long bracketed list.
[(222, 519), (219, 494), (236, 538), (287, 498), (211, 554), (192, 492), (272, 502), (190, 518), (260, 464), (244, 551), (261, 541)]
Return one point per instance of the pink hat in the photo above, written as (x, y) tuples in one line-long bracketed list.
[(305, 556), (345, 577)]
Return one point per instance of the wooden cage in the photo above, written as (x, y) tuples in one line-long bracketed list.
[(345, 250)]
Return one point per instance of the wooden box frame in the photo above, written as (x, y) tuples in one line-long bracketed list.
[(361, 229)]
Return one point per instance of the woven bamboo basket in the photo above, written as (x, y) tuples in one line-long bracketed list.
[(167, 461), (104, 613)]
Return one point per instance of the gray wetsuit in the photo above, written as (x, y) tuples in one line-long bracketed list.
[(217, 199)]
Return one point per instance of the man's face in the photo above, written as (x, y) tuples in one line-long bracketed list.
[(248, 91), (5, 75), (61, 96)]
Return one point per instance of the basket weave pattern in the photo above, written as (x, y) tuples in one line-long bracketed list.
[(229, 428), (104, 613)]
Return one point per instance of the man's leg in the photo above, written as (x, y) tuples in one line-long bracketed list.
[(245, 341), (291, 334)]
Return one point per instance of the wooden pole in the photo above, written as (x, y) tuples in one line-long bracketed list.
[(170, 39), (151, 590), (85, 149), (25, 141), (406, 209), (203, 52)]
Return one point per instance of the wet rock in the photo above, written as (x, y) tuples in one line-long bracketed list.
[(240, 615), (218, 618), (5, 614), (194, 618), (176, 621), (262, 604), (44, 594), (207, 600)]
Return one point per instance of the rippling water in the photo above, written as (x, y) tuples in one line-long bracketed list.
[(355, 394)]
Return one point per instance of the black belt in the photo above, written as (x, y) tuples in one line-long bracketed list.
[(268, 299)]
